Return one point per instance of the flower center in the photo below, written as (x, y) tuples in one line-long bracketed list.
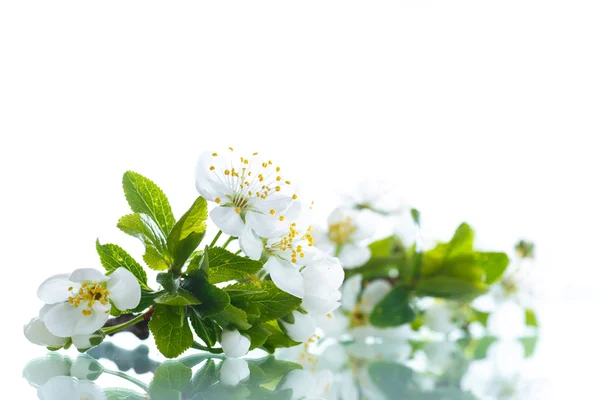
[(340, 232), (89, 293), (358, 318), (291, 243)]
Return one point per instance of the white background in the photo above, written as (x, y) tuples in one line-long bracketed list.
[(475, 111)]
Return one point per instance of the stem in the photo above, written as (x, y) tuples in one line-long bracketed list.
[(238, 252), (231, 239), (198, 346), (117, 328), (214, 241), (128, 378)]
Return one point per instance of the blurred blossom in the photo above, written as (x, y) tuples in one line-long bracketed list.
[(233, 371), (68, 388), (375, 196), (40, 370)]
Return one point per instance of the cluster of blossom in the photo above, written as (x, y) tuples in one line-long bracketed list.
[(77, 306), (256, 204)]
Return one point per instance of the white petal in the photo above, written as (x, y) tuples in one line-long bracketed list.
[(251, 244), (124, 288), (37, 333), (227, 220), (39, 371), (303, 327), (354, 255), (373, 293), (85, 342), (86, 367), (278, 204), (329, 270), (233, 371), (301, 382), (338, 215), (59, 388), (286, 276), (350, 290), (234, 343), (209, 182), (66, 321), (55, 289), (87, 275), (321, 305), (348, 389), (334, 357), (44, 310), (321, 240), (323, 381), (267, 225), (334, 325), (90, 391)]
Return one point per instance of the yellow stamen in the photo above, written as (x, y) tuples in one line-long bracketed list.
[(217, 200)]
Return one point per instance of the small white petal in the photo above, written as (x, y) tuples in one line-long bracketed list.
[(208, 182), (286, 276), (37, 333), (303, 327), (85, 342), (251, 244), (39, 371), (87, 275), (234, 343), (90, 391), (59, 388), (65, 320), (327, 269), (348, 389), (374, 292), (228, 220), (124, 288), (279, 204), (354, 255), (301, 382), (350, 290), (323, 381), (55, 289), (233, 371), (267, 225)]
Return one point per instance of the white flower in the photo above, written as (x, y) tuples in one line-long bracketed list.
[(439, 318), (302, 328), (233, 371), (81, 301), (39, 371), (346, 231), (37, 333), (68, 388), (234, 343), (322, 279), (307, 384), (248, 191)]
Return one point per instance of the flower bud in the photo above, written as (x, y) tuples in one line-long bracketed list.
[(86, 342), (234, 343), (39, 371), (86, 367), (233, 371)]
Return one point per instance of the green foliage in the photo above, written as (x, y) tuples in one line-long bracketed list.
[(258, 335), (170, 381), (277, 338), (188, 232), (214, 300), (393, 310), (270, 301), (113, 257), (530, 318), (529, 344), (450, 288), (179, 298), (171, 331), (225, 266), (207, 330), (145, 197), (203, 378), (142, 227), (391, 378), (123, 394), (232, 318)]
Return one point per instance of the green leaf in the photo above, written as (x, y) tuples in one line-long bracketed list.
[(226, 266), (206, 329), (450, 288), (277, 338), (258, 335), (384, 247), (171, 331), (274, 368), (145, 197), (416, 216), (391, 378), (146, 300), (214, 300), (113, 257), (170, 380), (529, 343), (481, 317), (482, 347), (232, 317), (123, 394), (530, 318), (169, 281), (271, 301), (188, 232), (393, 310), (462, 241), (494, 265), (142, 227), (204, 378), (179, 298)]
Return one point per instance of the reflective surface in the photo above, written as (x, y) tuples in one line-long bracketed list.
[(320, 369)]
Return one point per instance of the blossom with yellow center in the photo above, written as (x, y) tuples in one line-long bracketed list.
[(80, 302), (249, 191)]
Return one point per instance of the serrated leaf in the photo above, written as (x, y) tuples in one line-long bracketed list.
[(226, 266), (171, 378), (155, 260), (142, 227), (205, 328), (171, 331), (271, 301), (179, 298), (113, 257), (277, 338), (188, 232), (145, 197), (393, 310), (258, 334), (214, 300), (232, 317), (169, 281)]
